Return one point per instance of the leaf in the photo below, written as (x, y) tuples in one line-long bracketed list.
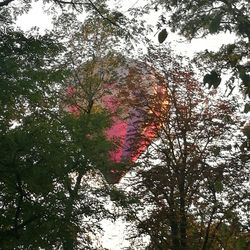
[(216, 151), (228, 147), (162, 36), (118, 196), (218, 186), (213, 79), (224, 229), (246, 130), (215, 24), (240, 244), (243, 28), (247, 108)]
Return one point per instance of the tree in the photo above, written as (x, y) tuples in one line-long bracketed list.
[(192, 181), (52, 156), (191, 19), (194, 19), (47, 157)]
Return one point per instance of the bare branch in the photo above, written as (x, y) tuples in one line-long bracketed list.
[(71, 2)]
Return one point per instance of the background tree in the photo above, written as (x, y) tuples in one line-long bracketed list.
[(20, 7), (192, 182), (51, 157), (48, 157)]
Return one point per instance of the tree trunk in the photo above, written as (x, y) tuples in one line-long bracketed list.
[(174, 234), (182, 205), (183, 224), (69, 232)]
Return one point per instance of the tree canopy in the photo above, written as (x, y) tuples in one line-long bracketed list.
[(191, 182), (195, 19), (191, 186), (47, 154)]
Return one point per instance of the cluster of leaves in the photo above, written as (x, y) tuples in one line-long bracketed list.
[(232, 59), (197, 19), (51, 156)]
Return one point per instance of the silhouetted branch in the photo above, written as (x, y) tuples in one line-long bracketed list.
[(5, 2), (99, 12)]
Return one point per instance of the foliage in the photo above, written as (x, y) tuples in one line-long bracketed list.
[(213, 79), (191, 19), (52, 161), (196, 19), (192, 181), (79, 6), (231, 59), (48, 160)]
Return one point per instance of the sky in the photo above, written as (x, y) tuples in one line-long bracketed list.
[(37, 17), (114, 233)]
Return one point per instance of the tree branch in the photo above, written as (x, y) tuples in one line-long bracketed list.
[(71, 2), (19, 204), (5, 2), (99, 12), (208, 228)]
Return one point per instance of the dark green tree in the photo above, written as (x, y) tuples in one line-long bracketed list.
[(49, 157)]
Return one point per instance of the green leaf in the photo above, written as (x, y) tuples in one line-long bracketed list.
[(243, 27), (240, 244), (218, 186), (162, 36), (215, 24), (118, 196), (216, 151), (246, 131)]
